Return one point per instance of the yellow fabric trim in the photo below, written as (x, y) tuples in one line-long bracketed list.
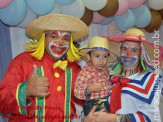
[(44, 110), (42, 70), (17, 98), (36, 109)]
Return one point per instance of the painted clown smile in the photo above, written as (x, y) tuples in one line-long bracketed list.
[(57, 50), (128, 61)]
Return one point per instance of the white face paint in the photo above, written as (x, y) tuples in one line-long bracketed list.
[(57, 50), (57, 43), (130, 54), (59, 33)]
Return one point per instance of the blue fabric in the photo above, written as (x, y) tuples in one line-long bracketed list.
[(97, 48), (5, 49), (5, 53)]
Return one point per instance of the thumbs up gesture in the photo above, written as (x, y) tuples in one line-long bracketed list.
[(37, 86)]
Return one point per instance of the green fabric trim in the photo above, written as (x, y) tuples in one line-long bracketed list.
[(40, 103), (40, 100), (39, 71), (142, 63), (22, 97), (68, 94), (117, 68)]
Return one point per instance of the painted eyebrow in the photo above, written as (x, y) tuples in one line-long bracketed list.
[(124, 46), (55, 33), (62, 34), (135, 48), (66, 34)]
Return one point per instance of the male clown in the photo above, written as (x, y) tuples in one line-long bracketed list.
[(39, 83)]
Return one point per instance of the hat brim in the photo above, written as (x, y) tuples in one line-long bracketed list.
[(149, 47), (61, 22), (112, 57)]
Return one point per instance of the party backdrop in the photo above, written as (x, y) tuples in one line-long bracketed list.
[(145, 14)]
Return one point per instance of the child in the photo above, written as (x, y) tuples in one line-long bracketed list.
[(92, 83)]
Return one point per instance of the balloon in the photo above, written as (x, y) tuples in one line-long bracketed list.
[(64, 2), (29, 17), (107, 20), (135, 3), (161, 13), (5, 3), (147, 5), (56, 10), (76, 9), (87, 17), (125, 21), (14, 13), (97, 18), (142, 16), (41, 7), (95, 5), (156, 4), (110, 8), (123, 7), (155, 21)]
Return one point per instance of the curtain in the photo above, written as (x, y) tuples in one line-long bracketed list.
[(5, 48), (5, 53)]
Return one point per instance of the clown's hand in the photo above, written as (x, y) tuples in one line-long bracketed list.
[(37, 86), (90, 117)]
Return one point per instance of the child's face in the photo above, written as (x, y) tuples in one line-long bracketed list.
[(99, 58)]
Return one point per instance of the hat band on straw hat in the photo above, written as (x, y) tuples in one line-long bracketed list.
[(99, 48), (131, 36)]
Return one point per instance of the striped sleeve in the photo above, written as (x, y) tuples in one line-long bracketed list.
[(20, 97), (24, 109), (139, 117), (147, 112)]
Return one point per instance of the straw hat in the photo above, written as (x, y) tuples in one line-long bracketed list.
[(136, 35), (62, 22), (99, 43)]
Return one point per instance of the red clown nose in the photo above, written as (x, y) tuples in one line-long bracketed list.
[(60, 43), (128, 54)]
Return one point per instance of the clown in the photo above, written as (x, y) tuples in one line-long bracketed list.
[(133, 92), (40, 81)]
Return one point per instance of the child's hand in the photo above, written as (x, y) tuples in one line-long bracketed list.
[(108, 86), (94, 88)]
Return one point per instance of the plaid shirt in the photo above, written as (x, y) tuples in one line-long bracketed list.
[(89, 75)]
